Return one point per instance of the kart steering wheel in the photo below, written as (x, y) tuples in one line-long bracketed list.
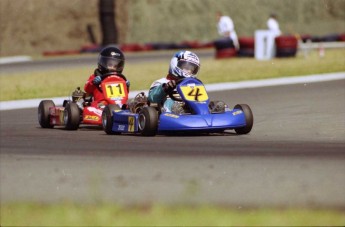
[(109, 74), (175, 96)]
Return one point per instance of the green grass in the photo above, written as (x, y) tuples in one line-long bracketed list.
[(42, 84), (70, 214)]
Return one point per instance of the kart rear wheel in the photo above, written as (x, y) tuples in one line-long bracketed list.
[(249, 119), (43, 113), (107, 119), (72, 116), (148, 121)]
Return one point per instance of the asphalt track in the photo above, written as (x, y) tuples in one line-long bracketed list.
[(88, 61), (294, 157)]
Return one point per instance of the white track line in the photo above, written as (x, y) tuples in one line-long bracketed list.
[(30, 103), (14, 59)]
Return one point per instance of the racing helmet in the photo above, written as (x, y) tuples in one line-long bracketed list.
[(184, 64), (111, 59)]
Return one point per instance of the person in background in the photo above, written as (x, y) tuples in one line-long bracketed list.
[(226, 28), (111, 61), (273, 25)]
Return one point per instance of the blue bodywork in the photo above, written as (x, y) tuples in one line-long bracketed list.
[(193, 93)]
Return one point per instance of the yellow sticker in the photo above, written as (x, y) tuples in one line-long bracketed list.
[(62, 116), (171, 115), (237, 112), (91, 118), (115, 90), (194, 93), (131, 124)]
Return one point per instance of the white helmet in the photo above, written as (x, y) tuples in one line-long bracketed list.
[(184, 64)]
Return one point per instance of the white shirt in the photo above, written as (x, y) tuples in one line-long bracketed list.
[(273, 26), (226, 25)]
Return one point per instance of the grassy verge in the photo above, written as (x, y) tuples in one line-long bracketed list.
[(62, 82), (69, 214)]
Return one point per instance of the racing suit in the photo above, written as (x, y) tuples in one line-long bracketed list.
[(96, 91), (158, 95)]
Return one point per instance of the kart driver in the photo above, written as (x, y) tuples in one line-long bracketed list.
[(184, 64), (111, 61)]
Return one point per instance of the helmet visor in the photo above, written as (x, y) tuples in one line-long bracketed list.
[(111, 64), (188, 67)]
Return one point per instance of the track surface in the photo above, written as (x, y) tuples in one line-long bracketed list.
[(89, 61), (294, 156)]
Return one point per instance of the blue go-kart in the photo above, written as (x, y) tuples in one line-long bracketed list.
[(199, 115)]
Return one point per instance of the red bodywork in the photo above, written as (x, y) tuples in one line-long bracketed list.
[(115, 91)]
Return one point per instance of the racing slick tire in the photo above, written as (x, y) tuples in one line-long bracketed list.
[(43, 113), (148, 121), (107, 119), (72, 116), (249, 119)]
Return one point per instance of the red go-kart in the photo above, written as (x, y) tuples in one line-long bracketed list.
[(79, 110)]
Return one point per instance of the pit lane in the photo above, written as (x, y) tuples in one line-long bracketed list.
[(294, 156)]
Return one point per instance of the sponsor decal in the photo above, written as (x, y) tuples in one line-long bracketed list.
[(237, 112), (62, 116), (94, 110), (91, 118), (131, 121), (121, 127), (171, 115), (191, 85), (114, 54)]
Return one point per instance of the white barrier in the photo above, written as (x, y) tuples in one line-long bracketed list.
[(265, 47)]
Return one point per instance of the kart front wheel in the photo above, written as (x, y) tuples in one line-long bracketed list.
[(43, 113), (148, 121), (107, 118), (72, 116), (249, 119)]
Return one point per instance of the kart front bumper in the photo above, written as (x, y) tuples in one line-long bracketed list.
[(208, 122)]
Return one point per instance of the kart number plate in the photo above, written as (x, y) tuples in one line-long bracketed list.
[(194, 93), (115, 90)]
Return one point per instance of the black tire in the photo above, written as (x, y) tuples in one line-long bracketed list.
[(107, 119), (72, 116), (43, 113), (148, 121), (249, 119)]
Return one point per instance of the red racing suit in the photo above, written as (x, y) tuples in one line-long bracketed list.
[(95, 90)]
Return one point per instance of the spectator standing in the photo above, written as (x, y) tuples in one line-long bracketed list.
[(226, 28), (273, 25)]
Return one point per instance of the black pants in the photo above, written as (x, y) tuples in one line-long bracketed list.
[(224, 43)]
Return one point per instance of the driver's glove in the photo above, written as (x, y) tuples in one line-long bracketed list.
[(169, 87), (97, 80), (128, 83)]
